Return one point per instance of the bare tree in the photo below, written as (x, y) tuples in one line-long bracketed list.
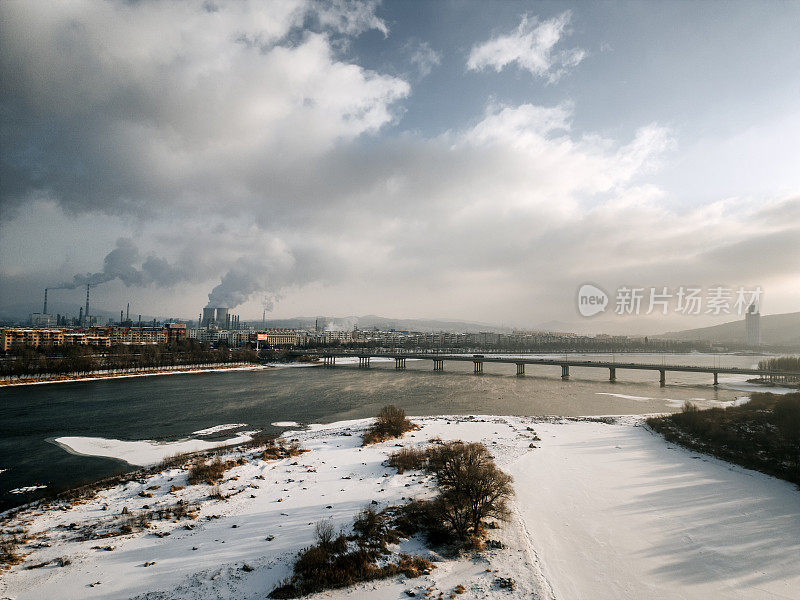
[(471, 487)]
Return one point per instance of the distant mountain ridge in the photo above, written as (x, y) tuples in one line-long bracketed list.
[(776, 330)]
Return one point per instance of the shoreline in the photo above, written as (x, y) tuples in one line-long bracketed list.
[(586, 487), (103, 376)]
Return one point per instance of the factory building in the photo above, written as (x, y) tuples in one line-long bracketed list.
[(234, 338), (278, 337), (43, 320), (221, 318)]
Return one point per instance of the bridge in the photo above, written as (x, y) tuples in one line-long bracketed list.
[(329, 360)]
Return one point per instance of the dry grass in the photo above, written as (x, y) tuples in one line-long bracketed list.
[(279, 450), (9, 555), (208, 472)]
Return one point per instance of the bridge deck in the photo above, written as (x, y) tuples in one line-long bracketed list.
[(488, 358)]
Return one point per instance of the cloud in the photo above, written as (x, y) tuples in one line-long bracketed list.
[(124, 105), (422, 56), (248, 156), (532, 47), (350, 17)]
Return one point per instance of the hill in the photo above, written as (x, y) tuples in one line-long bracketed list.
[(776, 330)]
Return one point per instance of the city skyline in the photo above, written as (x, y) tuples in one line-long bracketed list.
[(442, 160)]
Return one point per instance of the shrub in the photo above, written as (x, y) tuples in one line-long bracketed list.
[(8, 552), (471, 488), (391, 422), (787, 417), (762, 434), (210, 473), (760, 401), (326, 539), (370, 526), (330, 563), (408, 459)]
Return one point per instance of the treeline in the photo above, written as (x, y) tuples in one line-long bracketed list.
[(763, 434), (783, 363), (57, 361)]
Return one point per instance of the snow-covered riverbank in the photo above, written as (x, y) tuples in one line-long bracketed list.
[(602, 511), (99, 375)]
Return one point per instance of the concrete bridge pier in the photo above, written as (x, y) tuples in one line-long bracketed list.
[(438, 364), (399, 363), (612, 374), (716, 378), (363, 362), (564, 371), (328, 361), (520, 369), (478, 366), (662, 379)]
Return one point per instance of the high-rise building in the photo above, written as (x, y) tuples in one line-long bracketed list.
[(752, 322)]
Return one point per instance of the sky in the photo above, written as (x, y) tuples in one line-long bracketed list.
[(463, 160)]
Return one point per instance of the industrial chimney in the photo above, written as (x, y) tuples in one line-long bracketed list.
[(44, 310)]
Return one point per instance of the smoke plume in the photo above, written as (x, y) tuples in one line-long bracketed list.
[(121, 263)]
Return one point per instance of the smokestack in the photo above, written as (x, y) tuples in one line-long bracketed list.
[(80, 315), (140, 321), (86, 313), (44, 311), (120, 315)]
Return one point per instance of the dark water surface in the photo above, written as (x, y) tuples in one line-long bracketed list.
[(171, 407)]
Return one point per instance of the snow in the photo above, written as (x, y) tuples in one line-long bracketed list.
[(674, 403), (745, 386), (285, 424), (26, 489), (218, 428), (601, 511), (142, 453), (103, 375), (620, 514), (625, 396)]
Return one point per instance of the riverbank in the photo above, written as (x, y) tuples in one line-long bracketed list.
[(96, 376), (603, 509)]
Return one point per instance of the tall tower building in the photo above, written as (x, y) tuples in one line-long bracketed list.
[(752, 323)]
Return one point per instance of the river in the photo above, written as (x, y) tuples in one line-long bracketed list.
[(172, 407)]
